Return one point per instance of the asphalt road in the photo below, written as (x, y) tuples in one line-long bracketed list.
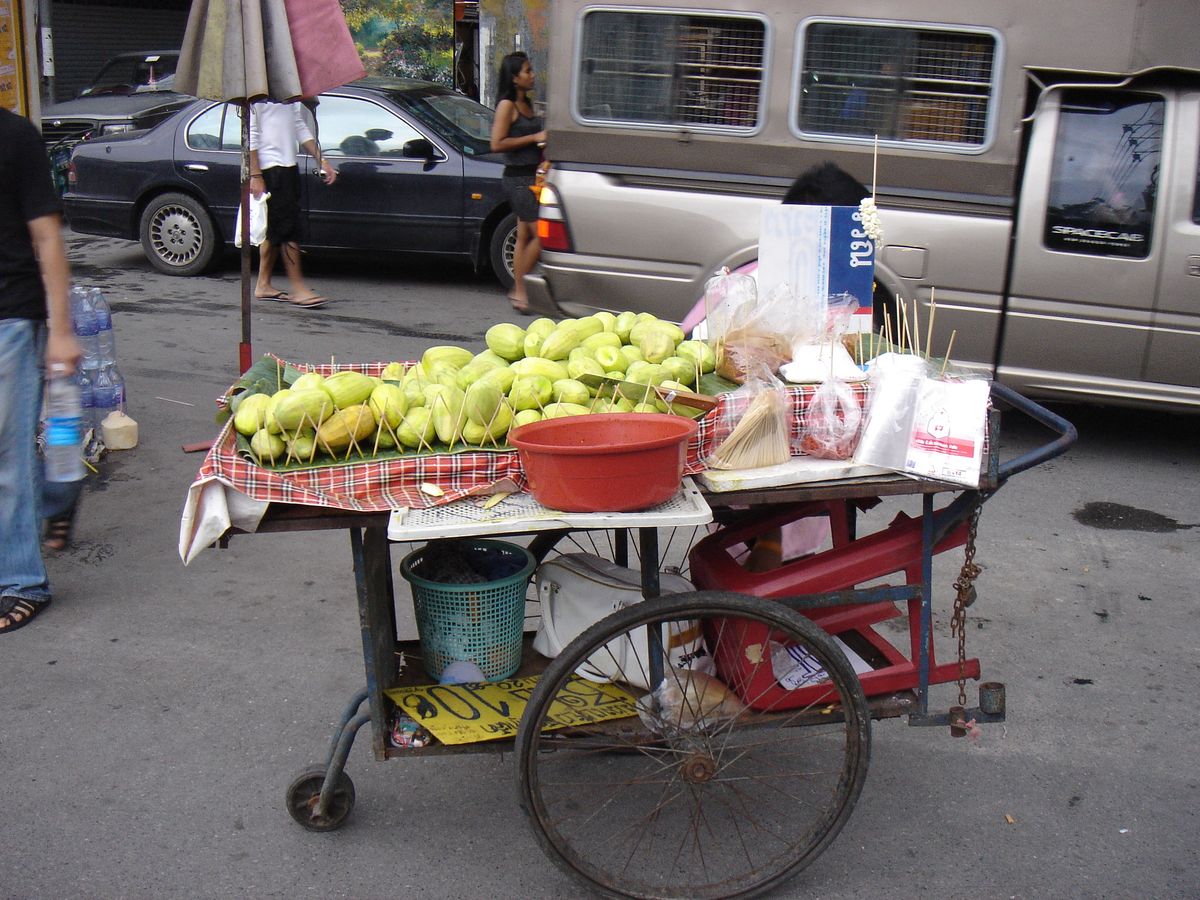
[(152, 719)]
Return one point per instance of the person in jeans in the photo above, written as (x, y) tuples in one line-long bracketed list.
[(277, 130), (518, 133), (34, 283)]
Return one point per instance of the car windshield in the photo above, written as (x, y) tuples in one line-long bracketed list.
[(135, 74), (457, 118)]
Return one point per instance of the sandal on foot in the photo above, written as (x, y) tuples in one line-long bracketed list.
[(311, 302), (58, 534), (518, 307), (282, 296), (18, 612)]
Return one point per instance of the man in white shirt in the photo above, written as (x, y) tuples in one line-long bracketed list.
[(277, 130)]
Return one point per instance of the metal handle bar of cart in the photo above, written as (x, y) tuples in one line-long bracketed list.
[(956, 512)]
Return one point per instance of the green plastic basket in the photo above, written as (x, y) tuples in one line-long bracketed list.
[(482, 622)]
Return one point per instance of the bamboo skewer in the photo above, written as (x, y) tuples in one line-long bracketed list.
[(949, 346), (916, 329), (929, 331), (874, 166)]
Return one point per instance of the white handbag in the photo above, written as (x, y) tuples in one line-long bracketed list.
[(577, 590)]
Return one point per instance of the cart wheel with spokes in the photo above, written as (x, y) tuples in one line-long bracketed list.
[(305, 790), (693, 800)]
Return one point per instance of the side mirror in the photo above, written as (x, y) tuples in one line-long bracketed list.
[(418, 148)]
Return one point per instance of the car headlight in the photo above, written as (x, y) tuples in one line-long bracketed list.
[(116, 129)]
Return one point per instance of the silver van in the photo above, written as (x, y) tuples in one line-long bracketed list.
[(1037, 166)]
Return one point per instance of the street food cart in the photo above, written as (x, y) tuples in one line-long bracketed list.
[(705, 743)]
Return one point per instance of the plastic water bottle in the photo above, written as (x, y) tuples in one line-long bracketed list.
[(103, 399), (106, 342), (62, 412), (118, 381), (87, 399), (87, 327), (78, 298)]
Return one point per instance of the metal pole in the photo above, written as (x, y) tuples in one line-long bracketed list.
[(245, 352)]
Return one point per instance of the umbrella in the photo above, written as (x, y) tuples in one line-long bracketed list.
[(244, 50)]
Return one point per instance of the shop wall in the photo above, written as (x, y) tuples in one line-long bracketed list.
[(508, 25), (86, 34)]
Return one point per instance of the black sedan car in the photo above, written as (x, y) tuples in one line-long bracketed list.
[(415, 174)]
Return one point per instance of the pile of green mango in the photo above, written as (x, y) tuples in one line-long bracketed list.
[(453, 398)]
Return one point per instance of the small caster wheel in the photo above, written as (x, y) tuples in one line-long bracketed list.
[(305, 790)]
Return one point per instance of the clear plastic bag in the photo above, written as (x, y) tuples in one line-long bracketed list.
[(748, 332), (756, 425), (689, 701), (832, 422)]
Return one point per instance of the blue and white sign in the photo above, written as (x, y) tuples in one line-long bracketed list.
[(818, 251)]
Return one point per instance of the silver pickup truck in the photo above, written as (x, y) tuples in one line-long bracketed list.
[(1037, 167)]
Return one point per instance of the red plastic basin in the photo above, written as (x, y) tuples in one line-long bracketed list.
[(604, 462)]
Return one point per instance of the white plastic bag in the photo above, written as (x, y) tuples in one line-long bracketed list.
[(258, 221), (949, 423)]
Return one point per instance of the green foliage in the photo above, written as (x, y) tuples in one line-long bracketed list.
[(420, 43)]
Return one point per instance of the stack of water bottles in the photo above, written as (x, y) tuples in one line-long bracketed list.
[(101, 385)]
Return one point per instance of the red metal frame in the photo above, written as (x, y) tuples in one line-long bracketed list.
[(896, 549)]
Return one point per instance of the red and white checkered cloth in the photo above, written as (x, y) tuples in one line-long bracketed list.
[(387, 484)]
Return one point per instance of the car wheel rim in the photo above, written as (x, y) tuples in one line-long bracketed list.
[(175, 235), (510, 253)]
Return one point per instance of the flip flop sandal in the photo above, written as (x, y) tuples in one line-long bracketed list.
[(281, 296), (311, 302), (26, 610), (58, 534)]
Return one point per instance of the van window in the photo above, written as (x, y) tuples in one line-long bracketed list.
[(906, 85), (1105, 173), (658, 68)]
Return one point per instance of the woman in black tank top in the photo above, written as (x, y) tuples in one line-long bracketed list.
[(517, 132)]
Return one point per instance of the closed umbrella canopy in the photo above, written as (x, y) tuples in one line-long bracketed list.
[(244, 50)]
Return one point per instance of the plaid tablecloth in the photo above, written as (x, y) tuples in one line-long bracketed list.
[(393, 483), (229, 484)]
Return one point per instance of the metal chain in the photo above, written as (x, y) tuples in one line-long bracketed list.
[(964, 587)]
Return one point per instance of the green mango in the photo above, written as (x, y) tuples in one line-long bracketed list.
[(611, 359), (506, 340), (584, 365), (251, 414), (455, 356), (561, 410), (488, 433), (267, 447), (416, 430), (388, 403), (446, 407), (481, 402), (530, 392), (301, 407), (393, 371), (568, 390), (624, 323), (526, 416), (308, 380), (680, 369), (535, 365), (349, 388), (700, 353), (607, 320)]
